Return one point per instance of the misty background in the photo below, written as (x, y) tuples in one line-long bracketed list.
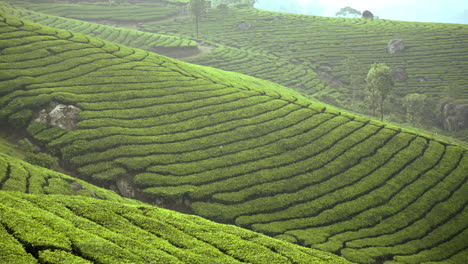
[(448, 11)]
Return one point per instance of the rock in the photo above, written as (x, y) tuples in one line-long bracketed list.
[(43, 117), (400, 74), (76, 187), (367, 14), (454, 116), (244, 25), (125, 187), (62, 116), (395, 46)]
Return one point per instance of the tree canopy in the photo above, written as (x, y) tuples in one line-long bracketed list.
[(197, 8), (348, 12), (380, 84)]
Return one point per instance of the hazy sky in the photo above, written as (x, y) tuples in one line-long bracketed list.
[(448, 11)]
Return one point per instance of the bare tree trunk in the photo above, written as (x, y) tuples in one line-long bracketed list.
[(196, 24)]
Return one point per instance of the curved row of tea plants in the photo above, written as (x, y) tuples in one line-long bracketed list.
[(255, 64), (129, 37), (19, 176), (70, 229), (238, 149), (434, 57)]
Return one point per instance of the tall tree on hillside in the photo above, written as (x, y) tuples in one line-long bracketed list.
[(197, 9), (379, 85), (348, 12)]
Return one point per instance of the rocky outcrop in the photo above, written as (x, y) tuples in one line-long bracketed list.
[(367, 14), (395, 46), (125, 187), (400, 75), (244, 25), (454, 115), (59, 115)]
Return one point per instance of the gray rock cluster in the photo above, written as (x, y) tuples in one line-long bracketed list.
[(244, 25), (454, 116), (395, 46), (400, 74), (59, 115)]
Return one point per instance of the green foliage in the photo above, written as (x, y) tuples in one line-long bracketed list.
[(20, 119), (26, 146), (42, 160), (197, 9), (65, 229), (20, 176), (263, 156), (379, 86), (420, 110), (348, 12), (454, 92)]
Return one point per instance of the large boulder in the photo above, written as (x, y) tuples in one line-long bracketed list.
[(454, 115), (367, 14), (400, 75), (395, 46), (244, 25), (59, 115)]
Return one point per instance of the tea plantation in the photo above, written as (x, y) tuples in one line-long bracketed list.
[(230, 148), (19, 176), (162, 44), (298, 51), (435, 55), (62, 228)]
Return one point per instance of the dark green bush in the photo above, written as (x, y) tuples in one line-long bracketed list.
[(20, 119), (42, 159), (27, 146)]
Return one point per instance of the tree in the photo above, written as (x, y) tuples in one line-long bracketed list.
[(422, 110), (454, 92), (348, 12), (197, 9), (379, 85)]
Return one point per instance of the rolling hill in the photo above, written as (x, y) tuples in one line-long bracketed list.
[(236, 149), (162, 44), (314, 48), (48, 217)]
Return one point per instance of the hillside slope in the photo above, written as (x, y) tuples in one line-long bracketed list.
[(59, 229), (252, 62), (162, 44), (434, 55), (66, 220), (434, 58), (19, 176), (238, 149)]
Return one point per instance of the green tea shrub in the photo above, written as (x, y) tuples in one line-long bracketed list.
[(42, 160), (20, 119), (26, 145)]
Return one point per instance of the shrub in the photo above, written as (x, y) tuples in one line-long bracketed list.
[(26, 145), (42, 159), (20, 119)]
